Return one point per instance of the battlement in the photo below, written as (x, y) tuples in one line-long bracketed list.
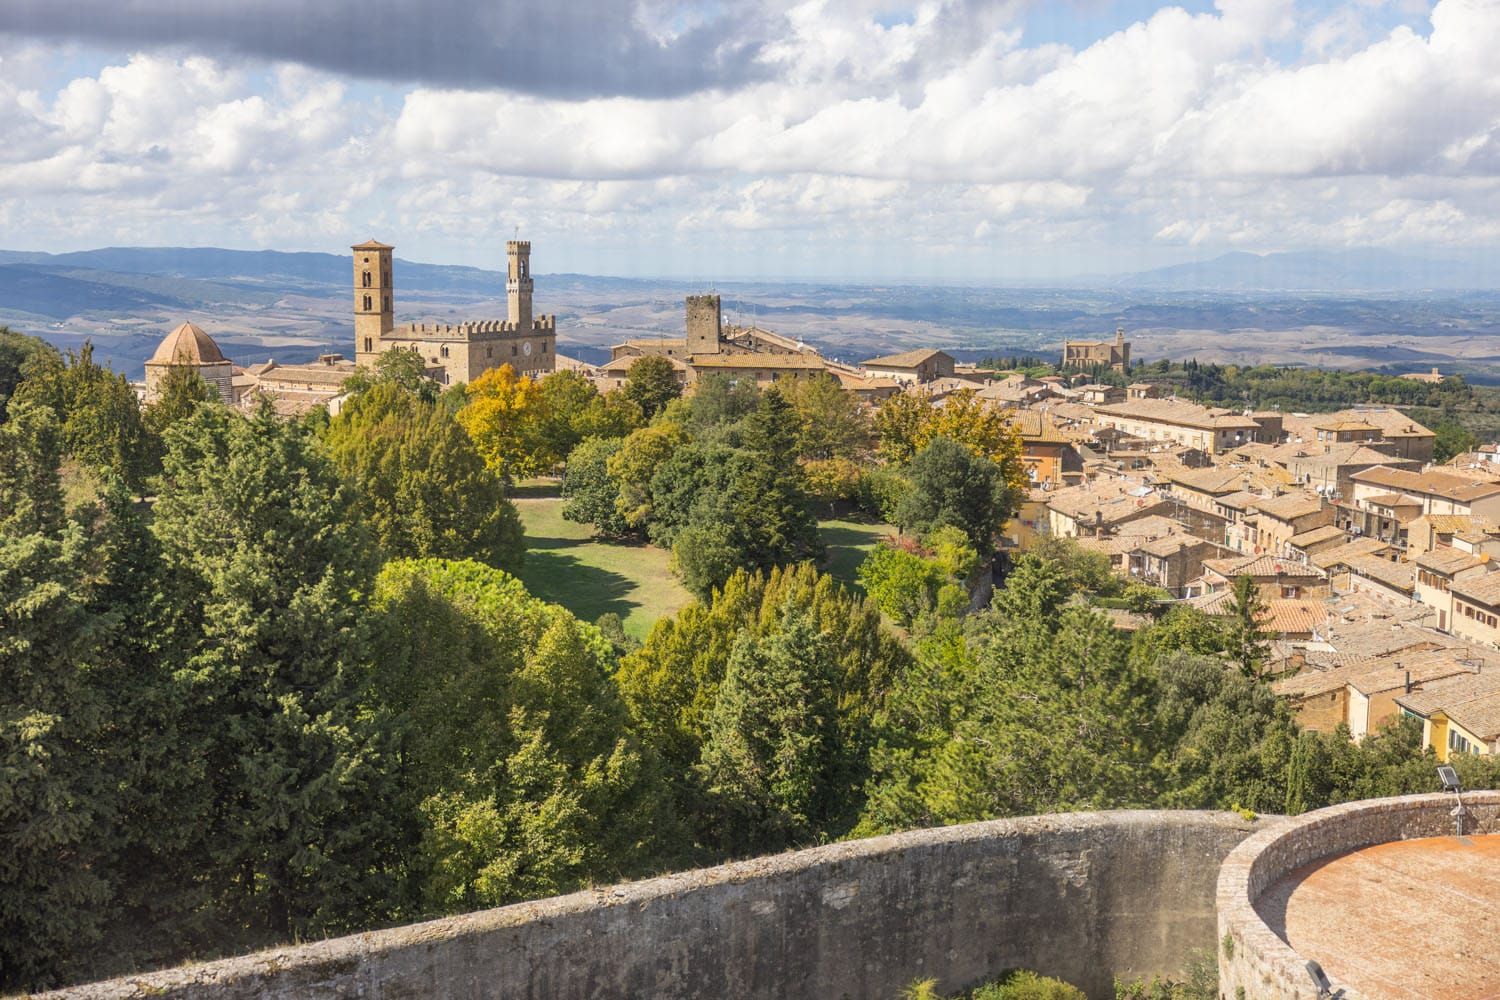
[(473, 329), (518, 246)]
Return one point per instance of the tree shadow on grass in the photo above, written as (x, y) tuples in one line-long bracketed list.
[(843, 537), (846, 550), (541, 543), (535, 489), (585, 590)]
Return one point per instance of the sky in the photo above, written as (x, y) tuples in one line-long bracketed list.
[(988, 140)]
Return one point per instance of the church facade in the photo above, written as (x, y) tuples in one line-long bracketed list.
[(1095, 354), (454, 352)]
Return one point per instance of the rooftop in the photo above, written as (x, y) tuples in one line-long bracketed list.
[(1323, 533), (807, 362), (187, 345), (1181, 412), (906, 359), (1446, 560), (1261, 566), (1441, 484), (1484, 589), (1289, 506)]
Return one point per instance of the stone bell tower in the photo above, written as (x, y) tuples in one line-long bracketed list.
[(374, 315), (518, 283)]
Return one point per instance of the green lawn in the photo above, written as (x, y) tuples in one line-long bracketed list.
[(566, 565), (848, 543)]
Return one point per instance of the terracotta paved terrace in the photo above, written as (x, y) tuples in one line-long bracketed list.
[(1405, 920)]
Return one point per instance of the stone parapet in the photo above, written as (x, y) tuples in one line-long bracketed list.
[(1083, 896)]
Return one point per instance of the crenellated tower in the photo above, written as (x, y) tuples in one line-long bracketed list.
[(518, 283), (374, 313)]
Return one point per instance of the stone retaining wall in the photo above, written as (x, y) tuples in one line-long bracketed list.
[(1252, 957), (1082, 896)]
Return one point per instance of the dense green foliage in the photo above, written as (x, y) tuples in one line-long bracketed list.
[(729, 493), (760, 706), (651, 383), (513, 751), (417, 481), (286, 697), (953, 487), (18, 354), (267, 566), (96, 408), (910, 581), (52, 712), (1037, 704)]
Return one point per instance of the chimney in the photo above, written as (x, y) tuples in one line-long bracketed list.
[(1408, 682)]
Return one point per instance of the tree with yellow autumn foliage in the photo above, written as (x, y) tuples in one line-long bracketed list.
[(502, 416)]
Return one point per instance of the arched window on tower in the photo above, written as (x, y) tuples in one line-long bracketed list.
[(368, 307), (366, 279), (387, 303)]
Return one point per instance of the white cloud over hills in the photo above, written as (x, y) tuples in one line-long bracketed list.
[(862, 137)]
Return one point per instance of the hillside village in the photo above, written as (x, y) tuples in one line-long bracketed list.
[(1375, 566)]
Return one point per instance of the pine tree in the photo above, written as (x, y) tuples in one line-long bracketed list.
[(672, 683), (55, 798), (1246, 641), (96, 409), (160, 912), (268, 567)]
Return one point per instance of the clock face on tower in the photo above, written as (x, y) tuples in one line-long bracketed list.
[(526, 348)]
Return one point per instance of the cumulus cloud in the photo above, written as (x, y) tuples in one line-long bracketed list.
[(1259, 125)]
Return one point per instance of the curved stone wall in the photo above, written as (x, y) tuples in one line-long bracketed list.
[(1083, 896), (1253, 958)]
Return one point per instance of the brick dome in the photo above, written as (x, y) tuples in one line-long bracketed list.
[(187, 345)]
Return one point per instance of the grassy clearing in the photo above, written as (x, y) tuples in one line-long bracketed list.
[(848, 543), (566, 565)]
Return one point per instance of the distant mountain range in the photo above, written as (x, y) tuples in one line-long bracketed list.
[(114, 278), (1357, 308), (1367, 271)]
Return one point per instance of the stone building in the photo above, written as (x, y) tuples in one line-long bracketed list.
[(736, 351), (1211, 430), (462, 351), (294, 389), (918, 366), (1111, 354), (189, 347)]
